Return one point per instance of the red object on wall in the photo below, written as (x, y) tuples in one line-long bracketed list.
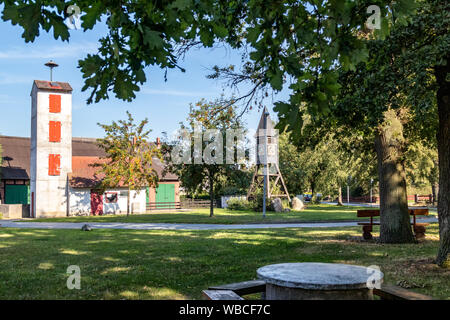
[(54, 164), (96, 203), (54, 131), (55, 103)]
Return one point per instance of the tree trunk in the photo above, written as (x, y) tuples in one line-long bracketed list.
[(128, 203), (443, 138), (211, 194), (313, 197), (395, 224), (340, 197)]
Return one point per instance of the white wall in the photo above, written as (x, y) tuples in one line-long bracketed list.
[(80, 202), (138, 198)]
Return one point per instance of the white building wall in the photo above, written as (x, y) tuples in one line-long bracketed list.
[(80, 202), (138, 202), (49, 192)]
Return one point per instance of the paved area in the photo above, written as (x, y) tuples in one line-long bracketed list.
[(178, 226)]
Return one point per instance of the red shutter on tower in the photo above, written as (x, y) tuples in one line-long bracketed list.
[(54, 164), (54, 131), (55, 103)]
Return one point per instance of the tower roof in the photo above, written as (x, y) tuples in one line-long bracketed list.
[(54, 86), (269, 124)]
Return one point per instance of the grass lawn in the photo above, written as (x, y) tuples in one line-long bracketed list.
[(322, 212), (159, 264)]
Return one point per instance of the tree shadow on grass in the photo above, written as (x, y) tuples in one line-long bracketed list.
[(161, 264)]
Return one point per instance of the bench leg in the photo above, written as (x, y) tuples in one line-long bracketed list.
[(420, 232), (367, 232)]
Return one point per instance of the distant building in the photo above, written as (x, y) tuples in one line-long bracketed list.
[(51, 170)]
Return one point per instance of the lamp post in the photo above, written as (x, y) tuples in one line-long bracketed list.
[(266, 114)]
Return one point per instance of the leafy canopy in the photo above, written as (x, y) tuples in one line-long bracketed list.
[(301, 40), (129, 155)]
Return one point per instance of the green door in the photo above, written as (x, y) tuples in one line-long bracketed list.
[(17, 194), (165, 193)]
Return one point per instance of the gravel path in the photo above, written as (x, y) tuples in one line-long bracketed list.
[(178, 226)]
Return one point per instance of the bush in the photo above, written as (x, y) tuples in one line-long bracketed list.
[(316, 200), (257, 203), (285, 203), (238, 204)]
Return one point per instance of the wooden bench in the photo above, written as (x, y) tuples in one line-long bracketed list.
[(234, 291), (419, 228), (221, 295), (390, 292), (243, 288)]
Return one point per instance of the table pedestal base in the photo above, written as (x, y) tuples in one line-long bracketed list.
[(274, 292)]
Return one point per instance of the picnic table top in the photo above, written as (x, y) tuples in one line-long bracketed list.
[(376, 212), (317, 276)]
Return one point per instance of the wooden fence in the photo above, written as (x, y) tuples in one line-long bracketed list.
[(197, 203), (163, 205)]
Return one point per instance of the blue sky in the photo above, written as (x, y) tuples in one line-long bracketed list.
[(164, 103)]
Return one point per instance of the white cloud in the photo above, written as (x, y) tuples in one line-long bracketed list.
[(60, 51)]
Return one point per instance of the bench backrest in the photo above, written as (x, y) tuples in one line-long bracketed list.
[(376, 212)]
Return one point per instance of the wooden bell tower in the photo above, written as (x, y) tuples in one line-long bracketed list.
[(267, 148)]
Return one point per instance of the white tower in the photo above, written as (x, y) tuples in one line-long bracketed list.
[(267, 161), (51, 148)]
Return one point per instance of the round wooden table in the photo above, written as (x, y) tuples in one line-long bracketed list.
[(318, 281)]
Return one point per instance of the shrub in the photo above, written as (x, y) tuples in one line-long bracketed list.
[(316, 199), (238, 204), (257, 203)]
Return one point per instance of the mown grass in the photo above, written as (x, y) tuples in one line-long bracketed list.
[(159, 264), (322, 212)]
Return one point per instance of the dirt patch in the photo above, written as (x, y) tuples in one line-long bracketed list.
[(418, 273), (424, 265)]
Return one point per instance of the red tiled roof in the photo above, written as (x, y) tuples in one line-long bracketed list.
[(54, 86), (84, 175)]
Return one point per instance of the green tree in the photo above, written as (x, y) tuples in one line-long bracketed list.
[(422, 166), (290, 166), (299, 39), (405, 79), (204, 166), (323, 161), (129, 156)]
